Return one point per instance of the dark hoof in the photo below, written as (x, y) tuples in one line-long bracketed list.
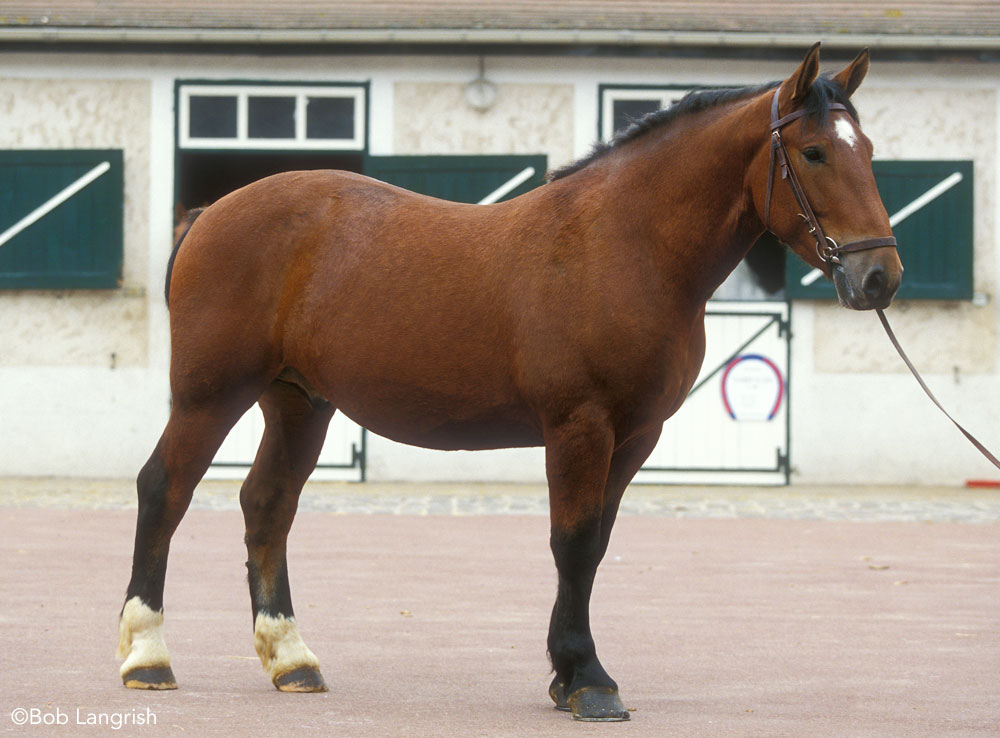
[(150, 677), (557, 691), (597, 705), (303, 679)]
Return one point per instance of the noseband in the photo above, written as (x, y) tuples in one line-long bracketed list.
[(826, 248)]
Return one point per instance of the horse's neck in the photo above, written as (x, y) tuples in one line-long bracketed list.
[(690, 186)]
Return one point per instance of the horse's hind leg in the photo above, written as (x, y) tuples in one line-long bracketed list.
[(165, 485), (295, 427)]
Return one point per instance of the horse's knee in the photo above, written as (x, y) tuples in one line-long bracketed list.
[(288, 661), (146, 662)]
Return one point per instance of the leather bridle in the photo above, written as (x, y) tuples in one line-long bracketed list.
[(827, 249)]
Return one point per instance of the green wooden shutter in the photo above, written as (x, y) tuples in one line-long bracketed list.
[(61, 219), (935, 240), (459, 178)]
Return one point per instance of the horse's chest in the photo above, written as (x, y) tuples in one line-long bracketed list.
[(670, 369)]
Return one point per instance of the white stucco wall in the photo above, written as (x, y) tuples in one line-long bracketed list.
[(74, 365), (83, 385)]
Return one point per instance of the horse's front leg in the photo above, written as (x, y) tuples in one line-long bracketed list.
[(578, 456)]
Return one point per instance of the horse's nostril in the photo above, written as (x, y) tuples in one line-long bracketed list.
[(875, 283)]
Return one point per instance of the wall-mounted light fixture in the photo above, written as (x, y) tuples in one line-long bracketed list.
[(480, 93)]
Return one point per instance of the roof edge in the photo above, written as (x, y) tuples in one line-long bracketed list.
[(471, 36)]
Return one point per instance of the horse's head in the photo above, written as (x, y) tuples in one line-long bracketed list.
[(818, 194)]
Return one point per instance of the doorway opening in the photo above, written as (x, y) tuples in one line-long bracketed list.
[(205, 176)]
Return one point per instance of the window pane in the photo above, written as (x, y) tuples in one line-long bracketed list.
[(212, 116), (627, 111), (330, 117), (271, 117)]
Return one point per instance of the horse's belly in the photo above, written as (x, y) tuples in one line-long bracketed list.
[(462, 437), (431, 428), (417, 371)]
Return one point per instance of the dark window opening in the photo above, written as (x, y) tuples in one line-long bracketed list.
[(628, 111), (205, 176), (271, 117), (330, 117), (212, 116), (766, 260), (760, 276)]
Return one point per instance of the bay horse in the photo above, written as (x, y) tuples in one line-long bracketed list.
[(570, 317)]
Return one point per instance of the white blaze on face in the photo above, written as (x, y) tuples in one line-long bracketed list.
[(279, 645), (140, 637), (846, 132)]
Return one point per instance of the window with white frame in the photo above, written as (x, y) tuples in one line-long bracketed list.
[(224, 116), (622, 105)]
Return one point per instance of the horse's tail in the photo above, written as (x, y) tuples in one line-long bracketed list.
[(183, 226)]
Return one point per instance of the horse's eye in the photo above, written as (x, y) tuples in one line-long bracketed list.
[(814, 154)]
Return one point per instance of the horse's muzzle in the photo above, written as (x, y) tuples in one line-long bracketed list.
[(873, 288)]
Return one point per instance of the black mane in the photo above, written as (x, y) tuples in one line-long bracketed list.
[(817, 105)]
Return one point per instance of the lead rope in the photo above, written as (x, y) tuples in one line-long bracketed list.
[(916, 375)]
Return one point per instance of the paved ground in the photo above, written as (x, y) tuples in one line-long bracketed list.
[(721, 612)]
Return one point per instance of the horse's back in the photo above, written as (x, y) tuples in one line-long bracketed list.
[(248, 245)]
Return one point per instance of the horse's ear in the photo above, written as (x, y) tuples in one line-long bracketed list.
[(854, 73), (795, 88)]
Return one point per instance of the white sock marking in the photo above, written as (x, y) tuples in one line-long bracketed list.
[(279, 645), (140, 637)]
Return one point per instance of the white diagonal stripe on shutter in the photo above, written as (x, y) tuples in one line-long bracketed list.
[(52, 203), (518, 179)]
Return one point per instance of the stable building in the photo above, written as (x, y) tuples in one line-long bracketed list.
[(116, 117)]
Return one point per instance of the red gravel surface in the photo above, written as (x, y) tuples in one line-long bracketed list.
[(435, 626)]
